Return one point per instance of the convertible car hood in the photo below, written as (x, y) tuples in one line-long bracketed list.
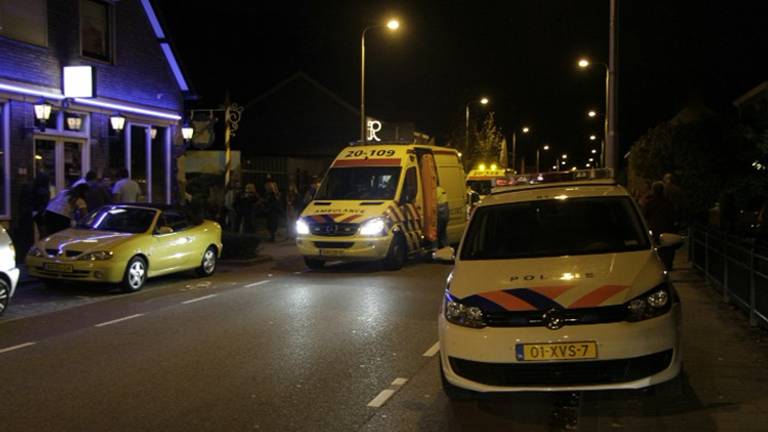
[(81, 240), (557, 282)]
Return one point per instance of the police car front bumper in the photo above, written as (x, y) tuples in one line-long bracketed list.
[(353, 248)]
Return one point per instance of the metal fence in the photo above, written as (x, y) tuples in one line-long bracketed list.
[(736, 267)]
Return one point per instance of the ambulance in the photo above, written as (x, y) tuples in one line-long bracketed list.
[(482, 180), (378, 202)]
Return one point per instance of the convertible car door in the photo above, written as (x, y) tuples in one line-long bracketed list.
[(171, 252)]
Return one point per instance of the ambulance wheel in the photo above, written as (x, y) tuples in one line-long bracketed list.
[(397, 253), (314, 264)]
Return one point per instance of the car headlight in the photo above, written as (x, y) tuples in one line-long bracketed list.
[(96, 256), (302, 227), (36, 252), (653, 303), (373, 227), (463, 315)]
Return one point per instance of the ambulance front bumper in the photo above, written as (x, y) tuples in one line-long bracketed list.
[(352, 248)]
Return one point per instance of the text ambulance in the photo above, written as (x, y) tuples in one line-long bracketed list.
[(379, 202)]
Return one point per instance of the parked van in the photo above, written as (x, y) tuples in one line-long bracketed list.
[(379, 203), (483, 181)]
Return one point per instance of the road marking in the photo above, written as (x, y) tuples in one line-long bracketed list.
[(432, 351), (198, 299), (399, 382), (381, 399), (257, 283), (15, 347), (118, 320)]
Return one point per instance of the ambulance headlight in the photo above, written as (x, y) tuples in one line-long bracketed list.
[(374, 227), (302, 227)]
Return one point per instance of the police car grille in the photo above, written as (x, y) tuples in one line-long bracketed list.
[(599, 315), (562, 373), (333, 229)]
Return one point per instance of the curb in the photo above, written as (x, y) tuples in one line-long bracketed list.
[(250, 261)]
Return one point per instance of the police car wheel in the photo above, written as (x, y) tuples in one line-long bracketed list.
[(397, 253), (314, 264), (453, 392)]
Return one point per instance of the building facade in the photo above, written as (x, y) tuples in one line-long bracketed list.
[(91, 63)]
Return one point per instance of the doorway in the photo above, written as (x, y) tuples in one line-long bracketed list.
[(62, 159)]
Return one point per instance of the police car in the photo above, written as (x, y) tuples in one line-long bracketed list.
[(558, 287)]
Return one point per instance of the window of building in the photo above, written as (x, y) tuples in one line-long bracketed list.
[(25, 20), (96, 29)]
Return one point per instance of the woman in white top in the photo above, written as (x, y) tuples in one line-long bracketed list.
[(66, 207)]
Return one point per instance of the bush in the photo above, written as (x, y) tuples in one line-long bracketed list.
[(239, 246)]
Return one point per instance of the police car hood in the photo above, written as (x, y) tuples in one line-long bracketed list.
[(569, 282), (345, 211)]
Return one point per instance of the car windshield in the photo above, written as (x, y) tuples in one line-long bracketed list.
[(359, 183), (120, 219), (483, 187), (572, 226)]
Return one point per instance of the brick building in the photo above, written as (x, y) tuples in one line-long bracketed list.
[(124, 68)]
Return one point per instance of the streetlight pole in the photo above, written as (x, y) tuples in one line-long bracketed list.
[(546, 147), (392, 25), (483, 101)]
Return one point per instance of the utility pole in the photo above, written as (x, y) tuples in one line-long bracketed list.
[(611, 137)]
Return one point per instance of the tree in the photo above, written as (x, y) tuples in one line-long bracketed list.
[(708, 158)]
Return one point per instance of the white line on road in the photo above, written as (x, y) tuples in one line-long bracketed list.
[(198, 299), (15, 347), (118, 320), (381, 399), (399, 382), (432, 351), (257, 283)]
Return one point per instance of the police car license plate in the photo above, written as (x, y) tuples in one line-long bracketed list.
[(556, 351), (64, 268), (331, 252)]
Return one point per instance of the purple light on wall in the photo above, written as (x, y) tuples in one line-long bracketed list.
[(174, 66), (30, 92), (153, 19), (128, 108)]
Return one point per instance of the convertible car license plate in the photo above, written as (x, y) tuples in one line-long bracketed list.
[(331, 252), (64, 268), (556, 351)]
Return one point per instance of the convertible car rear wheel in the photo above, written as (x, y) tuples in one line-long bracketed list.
[(208, 264), (135, 275)]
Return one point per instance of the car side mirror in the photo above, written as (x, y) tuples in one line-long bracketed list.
[(670, 240), (164, 230), (445, 255)]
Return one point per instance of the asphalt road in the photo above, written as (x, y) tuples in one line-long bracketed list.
[(274, 347)]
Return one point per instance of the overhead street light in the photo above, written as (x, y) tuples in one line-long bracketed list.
[(483, 101), (592, 113), (392, 25), (592, 137), (610, 114)]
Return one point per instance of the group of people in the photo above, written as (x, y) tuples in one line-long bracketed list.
[(244, 206), (44, 213)]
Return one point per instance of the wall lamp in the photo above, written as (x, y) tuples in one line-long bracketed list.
[(42, 113), (118, 122), (187, 131)]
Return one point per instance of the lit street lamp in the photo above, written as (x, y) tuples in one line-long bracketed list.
[(483, 101), (392, 25), (592, 137), (609, 113), (545, 148), (592, 113)]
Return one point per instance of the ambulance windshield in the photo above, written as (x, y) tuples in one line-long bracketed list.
[(360, 183)]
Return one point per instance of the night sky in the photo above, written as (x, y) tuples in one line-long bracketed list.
[(520, 54)]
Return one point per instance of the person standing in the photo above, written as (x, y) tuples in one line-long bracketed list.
[(272, 207), (66, 208), (97, 195), (292, 207), (658, 212), (125, 190), (443, 214)]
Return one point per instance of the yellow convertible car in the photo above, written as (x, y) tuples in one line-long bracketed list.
[(126, 244)]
